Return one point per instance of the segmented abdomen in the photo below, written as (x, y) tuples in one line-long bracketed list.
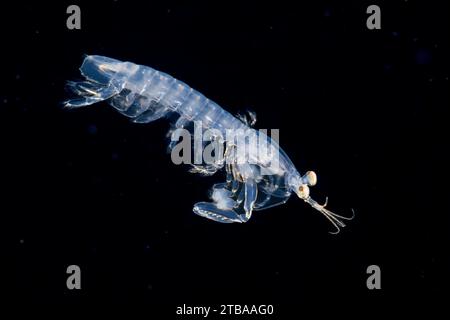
[(148, 94)]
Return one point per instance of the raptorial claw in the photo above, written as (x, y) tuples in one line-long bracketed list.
[(227, 205)]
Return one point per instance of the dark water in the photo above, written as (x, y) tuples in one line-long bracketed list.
[(366, 109)]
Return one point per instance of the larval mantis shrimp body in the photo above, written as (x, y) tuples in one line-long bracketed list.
[(258, 181)]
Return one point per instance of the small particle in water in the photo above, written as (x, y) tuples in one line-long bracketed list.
[(423, 56), (92, 129)]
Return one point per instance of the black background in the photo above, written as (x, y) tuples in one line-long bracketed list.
[(365, 109)]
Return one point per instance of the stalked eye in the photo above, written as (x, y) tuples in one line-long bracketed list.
[(310, 178), (303, 191)]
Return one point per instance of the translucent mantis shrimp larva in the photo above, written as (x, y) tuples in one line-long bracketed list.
[(145, 95)]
